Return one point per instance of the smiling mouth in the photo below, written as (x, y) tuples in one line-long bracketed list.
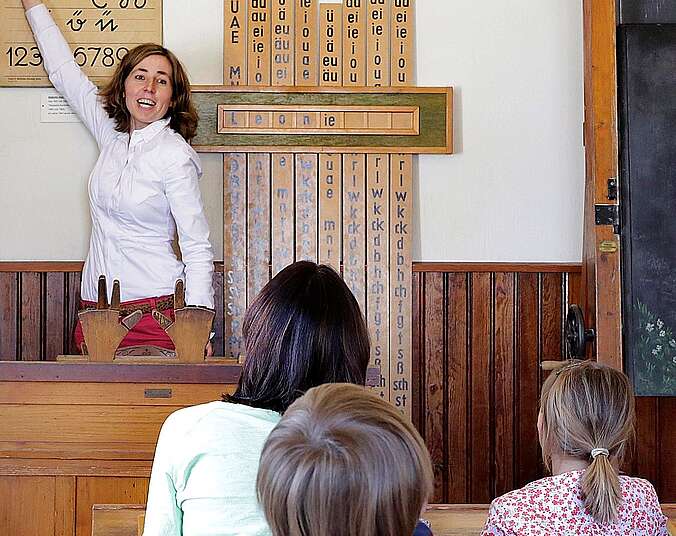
[(145, 103)]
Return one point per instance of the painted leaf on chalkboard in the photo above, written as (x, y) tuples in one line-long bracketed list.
[(655, 353)]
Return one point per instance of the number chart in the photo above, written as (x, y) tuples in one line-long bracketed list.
[(99, 32)]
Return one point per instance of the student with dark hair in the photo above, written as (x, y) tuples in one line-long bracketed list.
[(585, 425), (143, 190), (344, 462), (303, 329)]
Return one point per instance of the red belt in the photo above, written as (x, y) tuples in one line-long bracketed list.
[(146, 306)]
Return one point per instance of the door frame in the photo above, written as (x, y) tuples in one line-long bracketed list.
[(601, 276)]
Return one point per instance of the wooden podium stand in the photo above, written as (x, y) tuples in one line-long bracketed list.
[(76, 434)]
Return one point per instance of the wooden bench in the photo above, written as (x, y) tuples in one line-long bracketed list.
[(446, 519), (469, 519), (456, 519), (118, 519)]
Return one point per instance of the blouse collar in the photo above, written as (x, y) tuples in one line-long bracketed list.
[(148, 133)]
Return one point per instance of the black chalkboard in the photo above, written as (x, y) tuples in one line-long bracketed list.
[(646, 11), (647, 82)]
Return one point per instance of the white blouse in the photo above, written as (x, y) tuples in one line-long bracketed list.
[(143, 189)]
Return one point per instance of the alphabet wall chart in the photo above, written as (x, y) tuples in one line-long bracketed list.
[(319, 123)]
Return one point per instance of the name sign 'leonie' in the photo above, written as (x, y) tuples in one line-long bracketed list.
[(286, 119)]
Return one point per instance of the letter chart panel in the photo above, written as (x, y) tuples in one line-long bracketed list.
[(329, 195)]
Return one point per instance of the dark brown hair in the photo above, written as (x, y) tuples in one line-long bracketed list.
[(587, 406), (303, 329), (182, 111), (343, 462)]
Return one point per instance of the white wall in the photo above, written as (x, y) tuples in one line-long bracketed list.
[(512, 192)]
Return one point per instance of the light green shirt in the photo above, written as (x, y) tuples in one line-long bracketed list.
[(203, 481)]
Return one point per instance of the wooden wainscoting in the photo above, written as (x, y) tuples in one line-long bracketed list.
[(479, 334), (38, 306), (654, 455)]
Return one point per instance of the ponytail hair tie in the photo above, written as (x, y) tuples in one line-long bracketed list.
[(599, 452)]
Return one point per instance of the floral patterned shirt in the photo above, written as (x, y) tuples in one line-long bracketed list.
[(554, 506)]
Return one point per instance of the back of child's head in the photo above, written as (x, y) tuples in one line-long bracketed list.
[(303, 329), (343, 462), (588, 413)]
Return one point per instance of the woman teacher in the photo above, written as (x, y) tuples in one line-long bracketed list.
[(144, 186)]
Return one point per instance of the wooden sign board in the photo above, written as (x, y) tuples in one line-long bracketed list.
[(330, 181), (401, 240), (98, 36), (258, 224), (260, 43), (377, 263), (235, 43), (299, 119), (234, 251), (330, 49), (283, 43), (342, 164), (402, 39), (354, 43), (306, 207), (226, 125), (283, 211), (378, 43), (354, 235), (306, 45)]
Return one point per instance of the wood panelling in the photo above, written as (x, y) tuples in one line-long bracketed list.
[(31, 316), (503, 372), (8, 314), (479, 337), (655, 450), (12, 464), (38, 311), (68, 444), (27, 506), (99, 490), (480, 332), (479, 389), (456, 267), (456, 473), (64, 505), (527, 378), (55, 314)]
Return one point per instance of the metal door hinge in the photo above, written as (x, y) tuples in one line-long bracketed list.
[(608, 215), (612, 189)]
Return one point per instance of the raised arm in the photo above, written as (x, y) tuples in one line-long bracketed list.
[(65, 74)]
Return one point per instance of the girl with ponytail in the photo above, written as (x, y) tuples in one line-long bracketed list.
[(585, 425)]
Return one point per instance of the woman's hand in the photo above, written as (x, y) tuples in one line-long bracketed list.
[(27, 4), (209, 350)]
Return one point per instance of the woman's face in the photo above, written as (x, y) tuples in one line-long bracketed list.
[(148, 90)]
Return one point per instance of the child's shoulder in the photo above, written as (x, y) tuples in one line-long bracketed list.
[(534, 492)]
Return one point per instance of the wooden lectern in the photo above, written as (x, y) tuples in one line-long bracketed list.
[(83, 430), (76, 434)]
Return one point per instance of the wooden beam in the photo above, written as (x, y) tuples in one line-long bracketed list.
[(455, 267), (601, 269)]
